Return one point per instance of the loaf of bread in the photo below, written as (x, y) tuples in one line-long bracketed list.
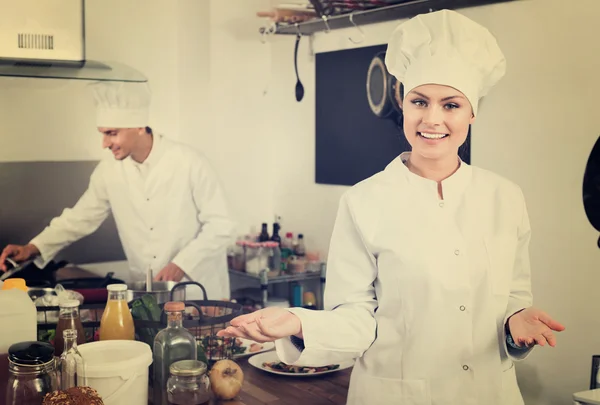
[(73, 396)]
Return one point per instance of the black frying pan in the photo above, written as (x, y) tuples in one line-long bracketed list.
[(382, 89), (591, 187)]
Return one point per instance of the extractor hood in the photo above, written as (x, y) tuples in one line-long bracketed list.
[(46, 39)]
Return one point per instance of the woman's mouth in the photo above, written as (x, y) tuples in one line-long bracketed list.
[(431, 136)]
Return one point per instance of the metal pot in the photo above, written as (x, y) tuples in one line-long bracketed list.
[(35, 292), (161, 290)]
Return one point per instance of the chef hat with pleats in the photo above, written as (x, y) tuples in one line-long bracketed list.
[(121, 104), (446, 48)]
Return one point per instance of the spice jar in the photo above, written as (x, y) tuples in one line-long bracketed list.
[(32, 373), (239, 256), (188, 384)]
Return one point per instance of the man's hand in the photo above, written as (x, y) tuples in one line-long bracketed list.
[(171, 272), (533, 326), (18, 253)]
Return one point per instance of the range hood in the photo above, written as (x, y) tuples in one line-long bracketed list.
[(46, 39)]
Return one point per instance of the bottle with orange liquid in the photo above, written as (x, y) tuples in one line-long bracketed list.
[(117, 322)]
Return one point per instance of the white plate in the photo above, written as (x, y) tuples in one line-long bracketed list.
[(247, 343), (258, 360)]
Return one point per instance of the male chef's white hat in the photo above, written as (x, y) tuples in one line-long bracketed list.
[(121, 104), (447, 48)]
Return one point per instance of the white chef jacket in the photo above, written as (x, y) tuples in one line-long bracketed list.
[(419, 289), (170, 208)]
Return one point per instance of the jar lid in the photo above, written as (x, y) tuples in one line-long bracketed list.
[(188, 368), (69, 304), (174, 306), (116, 287), (31, 353)]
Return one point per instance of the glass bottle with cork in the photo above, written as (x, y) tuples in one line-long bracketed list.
[(68, 318), (71, 363), (117, 322), (172, 344)]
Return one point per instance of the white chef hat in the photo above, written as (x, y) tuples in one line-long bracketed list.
[(447, 48), (121, 104)]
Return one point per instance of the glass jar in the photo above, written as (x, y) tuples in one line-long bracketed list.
[(68, 318), (253, 262), (32, 373), (239, 256), (188, 384)]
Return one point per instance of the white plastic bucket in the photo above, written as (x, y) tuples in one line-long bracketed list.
[(118, 370)]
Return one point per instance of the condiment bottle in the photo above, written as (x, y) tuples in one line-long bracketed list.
[(71, 363), (68, 318), (117, 322)]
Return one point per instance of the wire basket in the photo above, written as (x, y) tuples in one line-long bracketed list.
[(202, 318), (204, 321)]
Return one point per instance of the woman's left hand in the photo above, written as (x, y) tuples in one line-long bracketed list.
[(532, 326)]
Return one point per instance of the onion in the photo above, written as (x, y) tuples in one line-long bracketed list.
[(226, 379)]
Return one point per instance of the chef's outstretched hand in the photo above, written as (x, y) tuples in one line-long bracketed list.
[(18, 253), (532, 326), (265, 325), (171, 272)]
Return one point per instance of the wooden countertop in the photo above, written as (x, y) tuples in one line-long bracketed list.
[(261, 387)]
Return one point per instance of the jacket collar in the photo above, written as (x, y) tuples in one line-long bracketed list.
[(452, 187)]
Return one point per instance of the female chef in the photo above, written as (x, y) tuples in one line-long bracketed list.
[(428, 282)]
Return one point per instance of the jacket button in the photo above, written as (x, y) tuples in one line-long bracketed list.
[(457, 252), (465, 367), (462, 308), (441, 204)]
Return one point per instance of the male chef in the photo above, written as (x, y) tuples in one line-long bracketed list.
[(169, 208)]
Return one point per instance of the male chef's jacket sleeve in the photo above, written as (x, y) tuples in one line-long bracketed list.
[(217, 227), (74, 223), (347, 327), (520, 296)]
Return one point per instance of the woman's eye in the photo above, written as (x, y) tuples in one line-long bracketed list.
[(419, 103), (451, 106)]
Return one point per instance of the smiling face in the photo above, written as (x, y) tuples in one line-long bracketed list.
[(122, 142), (436, 121)]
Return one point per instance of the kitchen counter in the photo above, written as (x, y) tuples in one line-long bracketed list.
[(261, 387)]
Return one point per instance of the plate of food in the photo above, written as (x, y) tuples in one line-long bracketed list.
[(219, 348), (269, 362), (244, 347)]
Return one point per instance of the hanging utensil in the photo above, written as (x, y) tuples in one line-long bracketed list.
[(299, 86), (13, 268), (149, 280)]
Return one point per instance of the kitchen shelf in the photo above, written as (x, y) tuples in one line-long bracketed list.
[(374, 15), (263, 281), (278, 279)]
